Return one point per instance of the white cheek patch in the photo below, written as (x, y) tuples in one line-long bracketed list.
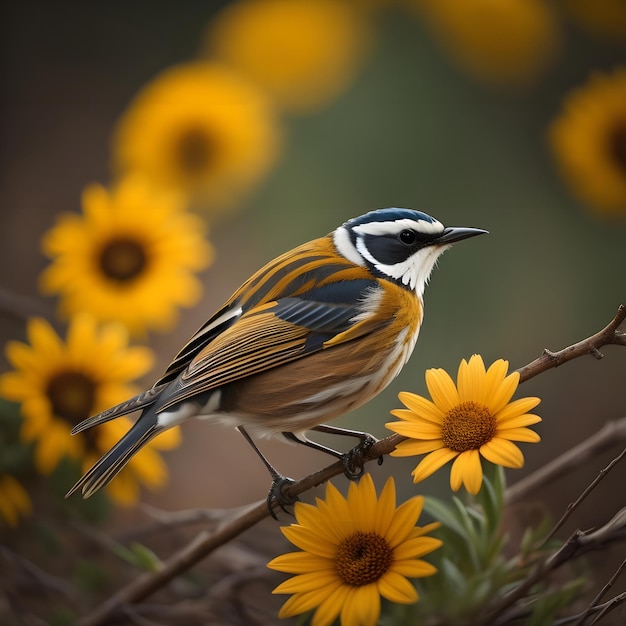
[(345, 247)]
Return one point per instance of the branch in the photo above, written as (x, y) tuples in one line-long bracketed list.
[(207, 541), (607, 336)]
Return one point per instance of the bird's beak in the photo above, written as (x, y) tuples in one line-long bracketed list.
[(454, 234)]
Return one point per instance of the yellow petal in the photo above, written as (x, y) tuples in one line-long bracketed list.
[(331, 605), (518, 434), (431, 463), (361, 607), (502, 452), (503, 393), (442, 389), (421, 407), (310, 541), (396, 588), (415, 430), (404, 521), (308, 581), (386, 508), (467, 470), (300, 563), (494, 377), (470, 379), (414, 568), (412, 448), (516, 408), (416, 548)]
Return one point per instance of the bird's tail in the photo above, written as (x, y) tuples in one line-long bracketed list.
[(144, 429)]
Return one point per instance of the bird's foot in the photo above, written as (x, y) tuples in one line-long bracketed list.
[(353, 461), (278, 494)]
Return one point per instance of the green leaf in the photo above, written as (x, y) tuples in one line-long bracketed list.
[(145, 558)]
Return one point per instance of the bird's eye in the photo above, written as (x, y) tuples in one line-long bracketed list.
[(407, 237)]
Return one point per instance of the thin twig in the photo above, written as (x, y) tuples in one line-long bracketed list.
[(607, 336), (205, 542), (594, 483), (595, 602), (611, 434), (597, 612)]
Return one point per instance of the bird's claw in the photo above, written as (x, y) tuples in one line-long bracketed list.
[(278, 495), (353, 461)]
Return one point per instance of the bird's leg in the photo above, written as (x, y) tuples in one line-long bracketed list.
[(353, 460), (279, 482)]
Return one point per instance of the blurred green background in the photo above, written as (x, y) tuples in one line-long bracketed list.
[(413, 130)]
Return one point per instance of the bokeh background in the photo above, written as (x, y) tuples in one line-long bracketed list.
[(416, 122)]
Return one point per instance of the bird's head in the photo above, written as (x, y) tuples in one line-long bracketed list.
[(401, 245)]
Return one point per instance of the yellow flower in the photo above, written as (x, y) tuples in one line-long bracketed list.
[(129, 257), (464, 421), (303, 52), (501, 42), (589, 141), (354, 550), (199, 128), (603, 18), (61, 383), (14, 501)]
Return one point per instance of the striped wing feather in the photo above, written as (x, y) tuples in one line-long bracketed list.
[(270, 335)]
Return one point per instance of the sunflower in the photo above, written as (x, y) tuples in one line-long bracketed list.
[(199, 128), (353, 551), (61, 383), (502, 43), (129, 257), (464, 421), (303, 52), (588, 139), (14, 501)]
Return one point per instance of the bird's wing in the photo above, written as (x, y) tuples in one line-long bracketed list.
[(275, 333)]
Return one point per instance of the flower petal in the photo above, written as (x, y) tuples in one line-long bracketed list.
[(503, 452), (467, 470), (396, 588), (518, 434), (442, 389), (412, 448), (421, 407), (431, 463)]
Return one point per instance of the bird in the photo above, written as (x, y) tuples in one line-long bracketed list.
[(315, 333)]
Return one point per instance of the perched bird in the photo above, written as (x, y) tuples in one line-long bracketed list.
[(317, 332)]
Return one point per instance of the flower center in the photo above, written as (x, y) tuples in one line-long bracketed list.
[(468, 426), (72, 396), (362, 558), (123, 260), (195, 150), (617, 145)]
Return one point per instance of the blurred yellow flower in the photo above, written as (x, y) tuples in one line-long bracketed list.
[(505, 43), (353, 551), (465, 421), (602, 18), (303, 52), (199, 128), (129, 257), (58, 384), (14, 501), (589, 141)]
